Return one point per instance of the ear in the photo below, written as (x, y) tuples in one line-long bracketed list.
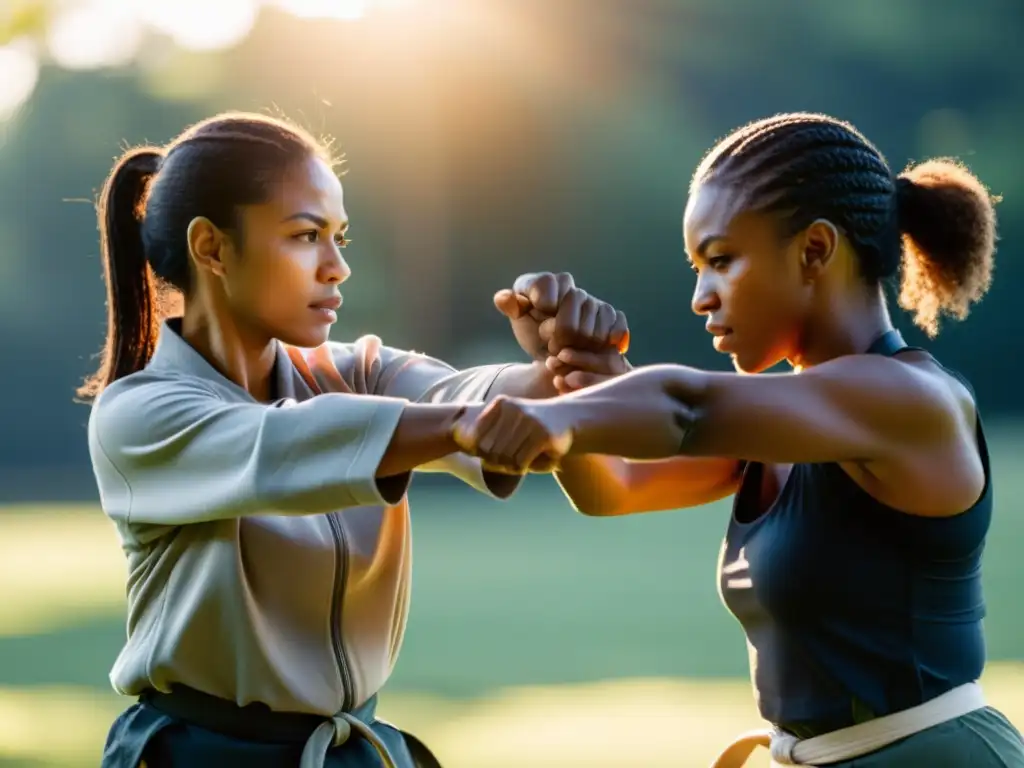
[(205, 245), (820, 243)]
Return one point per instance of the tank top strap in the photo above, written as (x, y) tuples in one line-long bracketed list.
[(890, 343)]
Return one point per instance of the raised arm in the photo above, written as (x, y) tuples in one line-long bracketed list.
[(172, 452)]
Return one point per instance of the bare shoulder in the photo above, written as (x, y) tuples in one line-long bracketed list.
[(959, 399), (910, 398), (941, 476)]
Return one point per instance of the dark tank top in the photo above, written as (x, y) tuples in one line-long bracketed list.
[(852, 609)]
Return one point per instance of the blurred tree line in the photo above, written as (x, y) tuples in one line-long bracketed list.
[(539, 134)]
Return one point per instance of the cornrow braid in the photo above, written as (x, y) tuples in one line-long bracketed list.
[(806, 166)]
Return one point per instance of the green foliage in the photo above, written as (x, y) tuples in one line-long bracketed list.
[(525, 135), (23, 18)]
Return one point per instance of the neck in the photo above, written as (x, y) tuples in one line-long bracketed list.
[(244, 357), (843, 328)]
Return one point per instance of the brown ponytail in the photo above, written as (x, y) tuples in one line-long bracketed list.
[(152, 195), (948, 222), (132, 316)]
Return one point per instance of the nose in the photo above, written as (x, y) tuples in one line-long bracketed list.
[(333, 268), (705, 295)]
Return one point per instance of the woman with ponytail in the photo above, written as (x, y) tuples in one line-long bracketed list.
[(256, 472), (862, 483)]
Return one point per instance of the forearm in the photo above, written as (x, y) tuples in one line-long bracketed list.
[(644, 414), (531, 381), (607, 486), (423, 435), (594, 484)]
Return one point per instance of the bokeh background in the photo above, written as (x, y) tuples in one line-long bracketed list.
[(484, 138)]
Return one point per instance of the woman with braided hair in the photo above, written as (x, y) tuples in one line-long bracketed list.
[(863, 492)]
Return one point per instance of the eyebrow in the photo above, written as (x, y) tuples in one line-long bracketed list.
[(704, 245), (320, 221), (707, 242)]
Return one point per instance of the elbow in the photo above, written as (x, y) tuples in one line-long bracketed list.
[(589, 509), (601, 505), (596, 486), (690, 393), (600, 511)]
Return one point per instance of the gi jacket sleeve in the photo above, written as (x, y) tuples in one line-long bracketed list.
[(170, 449), (367, 366)]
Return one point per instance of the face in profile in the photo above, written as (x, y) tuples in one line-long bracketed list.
[(751, 287), (282, 282)]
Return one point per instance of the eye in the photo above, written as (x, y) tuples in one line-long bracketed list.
[(720, 263), (309, 236), (341, 240)]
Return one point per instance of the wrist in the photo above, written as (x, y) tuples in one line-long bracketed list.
[(531, 381), (571, 416)]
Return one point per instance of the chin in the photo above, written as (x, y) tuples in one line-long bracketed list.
[(751, 363), (307, 338)]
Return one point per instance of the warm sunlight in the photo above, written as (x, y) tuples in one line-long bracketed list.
[(94, 34), (347, 10), (19, 72), (200, 25)]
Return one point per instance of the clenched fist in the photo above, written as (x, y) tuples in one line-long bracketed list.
[(571, 318), (514, 435)]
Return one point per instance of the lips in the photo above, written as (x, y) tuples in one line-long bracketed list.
[(722, 334), (331, 303)]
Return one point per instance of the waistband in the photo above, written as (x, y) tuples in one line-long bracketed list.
[(857, 740), (256, 722)]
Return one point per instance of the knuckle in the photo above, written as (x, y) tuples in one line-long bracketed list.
[(579, 296), (523, 282), (543, 279)]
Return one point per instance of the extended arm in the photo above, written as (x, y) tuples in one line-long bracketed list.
[(863, 408), (904, 427), (609, 486), (171, 452)]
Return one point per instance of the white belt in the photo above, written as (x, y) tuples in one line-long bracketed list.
[(334, 733), (857, 740)]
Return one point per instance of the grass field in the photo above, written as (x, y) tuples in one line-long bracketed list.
[(537, 637)]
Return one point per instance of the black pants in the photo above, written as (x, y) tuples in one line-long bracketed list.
[(189, 729)]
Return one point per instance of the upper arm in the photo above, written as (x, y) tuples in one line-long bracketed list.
[(381, 370), (862, 408), (170, 451)]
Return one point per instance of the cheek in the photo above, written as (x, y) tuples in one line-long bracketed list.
[(765, 306), (274, 279)]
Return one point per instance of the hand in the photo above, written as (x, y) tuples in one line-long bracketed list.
[(574, 369), (513, 435), (574, 317)]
